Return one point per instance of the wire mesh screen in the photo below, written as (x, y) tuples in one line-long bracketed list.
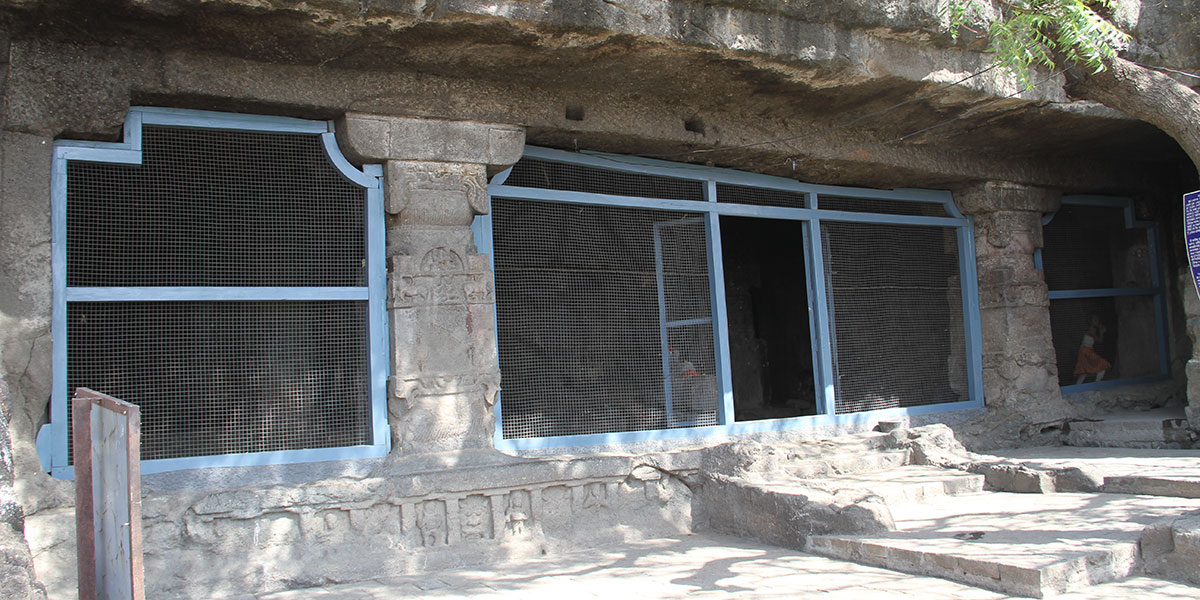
[(228, 377), (1121, 329), (1088, 247), (759, 196), (215, 208), (550, 175), (896, 307), (881, 206), (578, 291)]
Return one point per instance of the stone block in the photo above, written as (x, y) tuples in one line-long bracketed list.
[(1022, 580), (428, 193), (995, 196), (983, 569), (374, 138)]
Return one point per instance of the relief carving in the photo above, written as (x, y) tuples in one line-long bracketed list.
[(475, 189), (431, 522), (441, 259), (595, 495), (478, 288), (409, 291), (412, 184), (448, 384), (475, 512), (516, 516)]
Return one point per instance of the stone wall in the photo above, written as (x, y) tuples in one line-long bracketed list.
[(206, 538), (17, 578)]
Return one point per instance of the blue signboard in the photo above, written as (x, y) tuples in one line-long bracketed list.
[(1191, 233)]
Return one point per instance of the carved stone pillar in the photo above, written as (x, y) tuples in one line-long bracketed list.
[(444, 373), (1020, 374)]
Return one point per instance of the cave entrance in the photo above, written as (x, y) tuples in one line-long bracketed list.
[(766, 294)]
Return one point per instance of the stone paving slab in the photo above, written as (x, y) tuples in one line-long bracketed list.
[(706, 566)]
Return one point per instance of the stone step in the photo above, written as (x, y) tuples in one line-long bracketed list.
[(842, 463), (1157, 472), (1148, 429), (903, 484), (1153, 485), (1024, 544)]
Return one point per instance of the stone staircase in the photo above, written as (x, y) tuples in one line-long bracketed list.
[(915, 501)]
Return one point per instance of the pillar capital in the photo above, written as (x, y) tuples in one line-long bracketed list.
[(377, 138), (1001, 196)]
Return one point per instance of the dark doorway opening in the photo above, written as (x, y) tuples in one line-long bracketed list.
[(766, 297)]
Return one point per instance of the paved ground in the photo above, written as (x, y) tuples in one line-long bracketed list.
[(699, 566)]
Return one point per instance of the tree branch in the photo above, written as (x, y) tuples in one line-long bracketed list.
[(1143, 94)]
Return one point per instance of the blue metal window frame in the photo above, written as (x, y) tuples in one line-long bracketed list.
[(820, 310), (1157, 290), (53, 442)]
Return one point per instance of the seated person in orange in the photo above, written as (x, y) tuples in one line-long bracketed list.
[(1090, 363)]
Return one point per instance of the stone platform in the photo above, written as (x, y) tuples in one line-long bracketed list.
[(704, 566)]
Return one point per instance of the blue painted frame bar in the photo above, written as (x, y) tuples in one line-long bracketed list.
[(716, 283), (1157, 291), (129, 151), (1102, 293), (972, 323), (820, 311), (664, 345), (148, 294), (824, 356), (648, 166), (739, 210)]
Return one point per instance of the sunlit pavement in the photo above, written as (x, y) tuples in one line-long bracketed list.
[(698, 566)]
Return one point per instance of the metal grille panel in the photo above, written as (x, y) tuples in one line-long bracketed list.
[(759, 196), (1088, 247), (216, 208), (578, 318), (228, 377), (896, 305), (1128, 344), (550, 175), (881, 206)]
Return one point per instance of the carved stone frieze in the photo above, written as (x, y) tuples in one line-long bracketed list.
[(440, 277), (449, 384)]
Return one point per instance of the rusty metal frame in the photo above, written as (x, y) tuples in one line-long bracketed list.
[(84, 402)]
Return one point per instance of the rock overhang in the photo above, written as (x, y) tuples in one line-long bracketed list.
[(651, 78)]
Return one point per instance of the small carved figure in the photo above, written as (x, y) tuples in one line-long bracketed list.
[(431, 521), (475, 512), (517, 513), (1089, 362), (595, 495)]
